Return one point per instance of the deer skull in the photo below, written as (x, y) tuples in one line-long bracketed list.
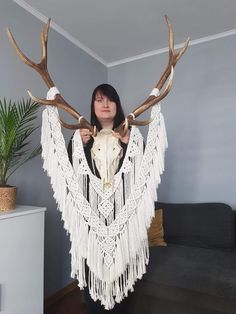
[(106, 153)]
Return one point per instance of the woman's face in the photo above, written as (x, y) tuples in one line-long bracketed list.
[(105, 110)]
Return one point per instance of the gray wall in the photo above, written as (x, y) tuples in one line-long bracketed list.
[(76, 74), (200, 115)]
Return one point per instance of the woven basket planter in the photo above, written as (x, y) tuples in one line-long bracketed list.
[(7, 198)]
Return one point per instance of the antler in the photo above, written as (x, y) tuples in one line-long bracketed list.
[(156, 96), (42, 69)]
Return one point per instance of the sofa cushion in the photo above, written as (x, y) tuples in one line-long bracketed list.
[(209, 225), (199, 269), (196, 277)]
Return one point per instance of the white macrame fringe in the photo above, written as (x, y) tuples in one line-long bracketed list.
[(112, 240)]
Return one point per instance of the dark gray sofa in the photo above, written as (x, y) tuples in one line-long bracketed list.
[(196, 272)]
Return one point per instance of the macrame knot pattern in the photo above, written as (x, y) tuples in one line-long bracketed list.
[(107, 228)]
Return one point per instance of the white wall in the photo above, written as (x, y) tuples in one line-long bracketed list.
[(200, 115)]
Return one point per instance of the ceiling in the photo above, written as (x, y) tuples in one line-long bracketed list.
[(113, 31)]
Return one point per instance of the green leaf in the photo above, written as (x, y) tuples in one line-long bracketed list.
[(17, 123)]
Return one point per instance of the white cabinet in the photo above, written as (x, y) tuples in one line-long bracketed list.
[(22, 260)]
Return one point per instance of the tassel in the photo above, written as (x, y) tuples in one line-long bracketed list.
[(120, 234)]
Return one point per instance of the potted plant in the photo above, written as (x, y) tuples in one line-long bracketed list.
[(16, 126)]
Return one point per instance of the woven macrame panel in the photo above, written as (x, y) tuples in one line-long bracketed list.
[(108, 228)]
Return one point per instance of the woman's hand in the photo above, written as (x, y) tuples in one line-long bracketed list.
[(124, 139), (85, 135)]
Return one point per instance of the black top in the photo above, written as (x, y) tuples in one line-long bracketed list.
[(91, 306)]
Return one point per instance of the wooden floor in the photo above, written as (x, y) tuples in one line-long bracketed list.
[(70, 301), (69, 304)]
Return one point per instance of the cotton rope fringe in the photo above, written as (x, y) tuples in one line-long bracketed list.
[(112, 240)]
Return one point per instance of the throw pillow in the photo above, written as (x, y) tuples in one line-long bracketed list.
[(156, 230)]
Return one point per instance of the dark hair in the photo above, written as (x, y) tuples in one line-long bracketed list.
[(112, 95)]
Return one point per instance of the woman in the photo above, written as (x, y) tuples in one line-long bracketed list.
[(106, 112)]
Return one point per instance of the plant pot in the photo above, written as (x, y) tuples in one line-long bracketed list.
[(7, 198)]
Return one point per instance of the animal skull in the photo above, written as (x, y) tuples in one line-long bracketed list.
[(106, 153)]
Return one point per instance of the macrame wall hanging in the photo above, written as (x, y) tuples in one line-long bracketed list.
[(109, 231), (107, 226)]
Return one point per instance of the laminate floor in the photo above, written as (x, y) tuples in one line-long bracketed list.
[(72, 304), (69, 304)]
